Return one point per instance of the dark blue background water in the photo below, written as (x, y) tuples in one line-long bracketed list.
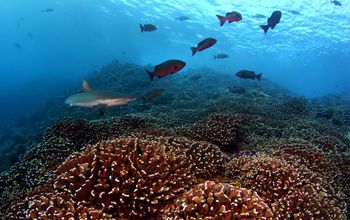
[(308, 53)]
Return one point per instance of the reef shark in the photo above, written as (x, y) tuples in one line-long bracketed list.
[(90, 98)]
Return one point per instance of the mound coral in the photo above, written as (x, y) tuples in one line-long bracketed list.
[(329, 144), (212, 200), (309, 156), (296, 105), (206, 160), (292, 190), (122, 178), (219, 129)]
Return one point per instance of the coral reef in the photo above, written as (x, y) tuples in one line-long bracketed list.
[(211, 200), (168, 158), (292, 190), (296, 105), (121, 178), (219, 129)]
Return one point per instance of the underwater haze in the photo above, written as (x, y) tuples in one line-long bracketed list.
[(308, 52), (178, 109)]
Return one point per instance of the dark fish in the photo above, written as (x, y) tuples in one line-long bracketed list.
[(204, 44), (294, 12), (259, 16), (335, 2), (148, 27), (48, 10), (183, 18), (152, 95), (232, 16), (17, 45), (195, 77), (221, 56), (247, 74), (272, 21), (166, 68)]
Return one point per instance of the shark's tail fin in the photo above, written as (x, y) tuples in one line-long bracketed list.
[(151, 75)]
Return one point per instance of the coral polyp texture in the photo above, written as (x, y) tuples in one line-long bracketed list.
[(219, 129), (211, 200), (291, 189), (129, 178)]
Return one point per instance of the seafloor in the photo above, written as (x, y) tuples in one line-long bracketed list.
[(196, 145)]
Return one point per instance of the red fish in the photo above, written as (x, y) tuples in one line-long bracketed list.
[(204, 44), (166, 68), (230, 17)]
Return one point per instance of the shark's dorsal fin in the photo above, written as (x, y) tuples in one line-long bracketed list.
[(86, 86)]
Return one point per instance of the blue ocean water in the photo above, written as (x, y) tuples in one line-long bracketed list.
[(308, 53)]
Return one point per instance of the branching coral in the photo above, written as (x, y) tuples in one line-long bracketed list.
[(124, 178), (219, 129), (292, 190), (329, 144), (206, 160), (309, 156), (296, 105), (212, 200)]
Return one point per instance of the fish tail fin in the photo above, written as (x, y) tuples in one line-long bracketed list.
[(194, 50), (265, 28), (221, 19), (151, 75), (259, 76), (142, 29)]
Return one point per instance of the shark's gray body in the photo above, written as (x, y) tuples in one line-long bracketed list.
[(90, 98)]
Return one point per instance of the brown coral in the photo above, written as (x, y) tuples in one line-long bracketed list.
[(219, 129), (206, 160), (124, 177), (291, 189), (212, 200), (329, 144)]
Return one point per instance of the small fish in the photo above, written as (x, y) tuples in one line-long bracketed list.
[(259, 16), (48, 10), (232, 16), (195, 77), (247, 74), (204, 44), (152, 95), (272, 21), (90, 98), (166, 68), (294, 12), (17, 45), (148, 28), (183, 18), (221, 56), (335, 2)]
